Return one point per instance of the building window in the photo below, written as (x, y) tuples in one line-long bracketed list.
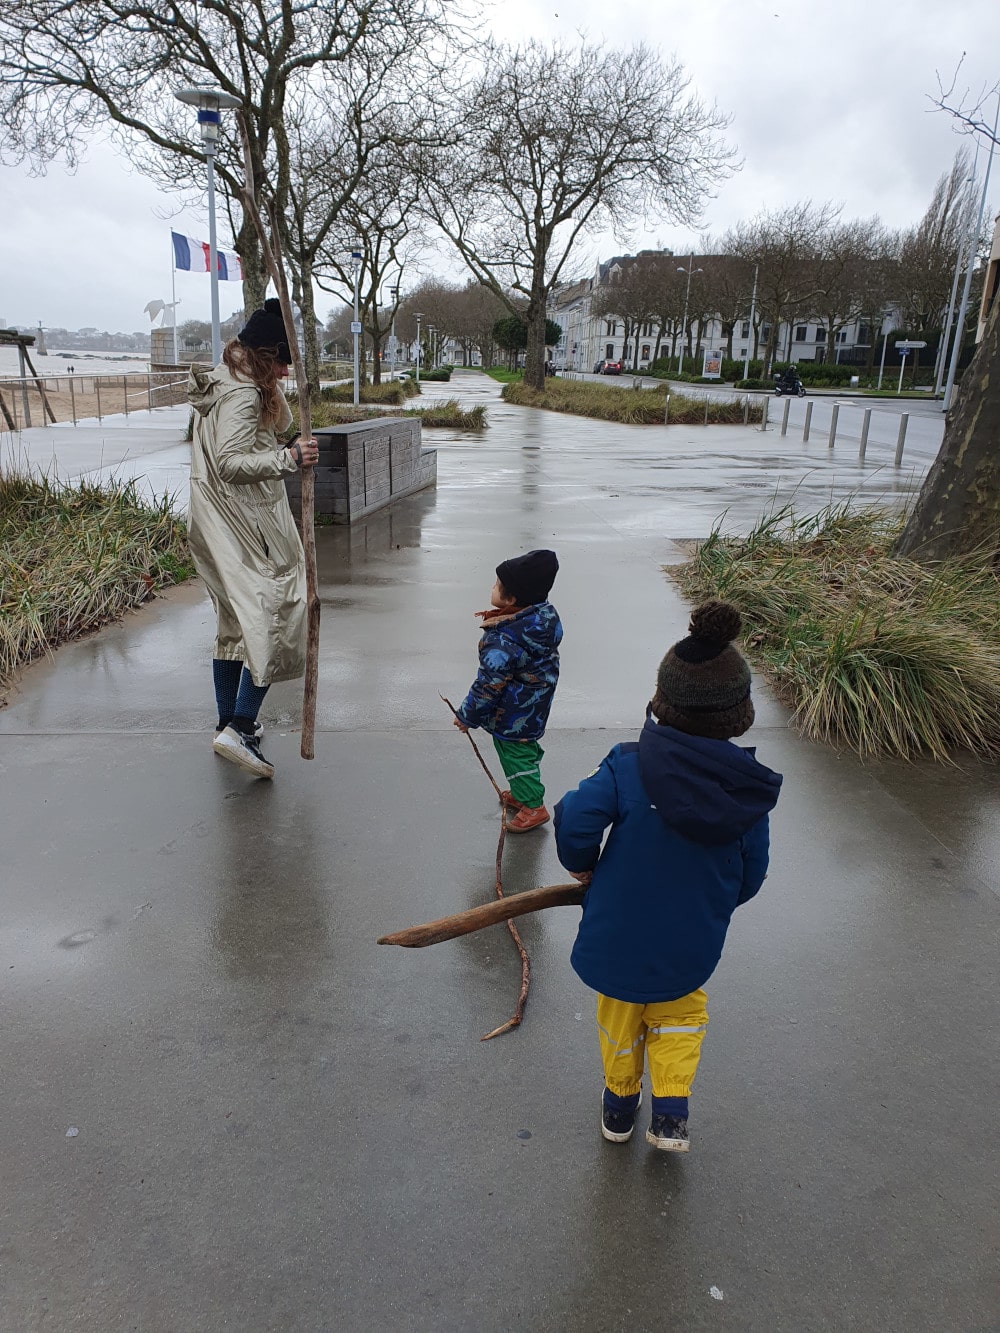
[(765, 332), (743, 353), (745, 330), (610, 329), (800, 333), (821, 335), (842, 336), (644, 356), (609, 352)]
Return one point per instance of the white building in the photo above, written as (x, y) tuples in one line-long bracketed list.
[(588, 339)]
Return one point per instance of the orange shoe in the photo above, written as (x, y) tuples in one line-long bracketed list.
[(508, 802), (527, 818)]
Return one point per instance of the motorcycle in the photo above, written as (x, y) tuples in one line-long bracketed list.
[(792, 387)]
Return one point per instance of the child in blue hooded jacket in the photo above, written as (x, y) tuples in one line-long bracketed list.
[(518, 670), (688, 812)]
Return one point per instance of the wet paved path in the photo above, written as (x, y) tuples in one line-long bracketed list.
[(282, 1126)]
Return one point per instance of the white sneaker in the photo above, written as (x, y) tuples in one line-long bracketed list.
[(244, 751)]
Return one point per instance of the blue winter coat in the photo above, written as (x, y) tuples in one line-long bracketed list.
[(518, 670), (688, 844)]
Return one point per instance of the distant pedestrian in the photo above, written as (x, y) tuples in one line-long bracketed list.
[(518, 670), (689, 843), (243, 538)]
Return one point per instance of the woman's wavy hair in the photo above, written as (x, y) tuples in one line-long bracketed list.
[(259, 365)]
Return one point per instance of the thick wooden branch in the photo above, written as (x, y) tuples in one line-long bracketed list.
[(489, 914)]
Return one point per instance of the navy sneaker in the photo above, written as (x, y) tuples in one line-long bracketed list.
[(668, 1132), (617, 1124)]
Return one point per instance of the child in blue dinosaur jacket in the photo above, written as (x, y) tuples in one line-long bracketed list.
[(688, 844), (518, 670)]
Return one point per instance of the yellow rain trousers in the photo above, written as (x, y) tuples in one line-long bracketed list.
[(669, 1034)]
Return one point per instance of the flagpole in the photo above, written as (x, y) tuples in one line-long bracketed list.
[(173, 294)]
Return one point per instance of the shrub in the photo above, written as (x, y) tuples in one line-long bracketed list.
[(389, 391), (440, 376), (886, 656), (634, 407), (74, 557)]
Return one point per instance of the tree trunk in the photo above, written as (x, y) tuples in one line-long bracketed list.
[(254, 270), (958, 510), (534, 357), (310, 337)]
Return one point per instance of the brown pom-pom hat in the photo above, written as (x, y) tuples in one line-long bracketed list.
[(703, 684)]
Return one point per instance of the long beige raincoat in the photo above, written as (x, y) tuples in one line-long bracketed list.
[(241, 531)]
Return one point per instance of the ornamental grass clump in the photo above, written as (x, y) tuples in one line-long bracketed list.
[(886, 656), (387, 391), (74, 557), (631, 407)]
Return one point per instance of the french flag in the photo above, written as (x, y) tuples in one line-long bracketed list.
[(192, 257)]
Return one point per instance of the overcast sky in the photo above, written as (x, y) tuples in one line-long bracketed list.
[(827, 102)]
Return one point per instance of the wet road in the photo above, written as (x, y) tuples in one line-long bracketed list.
[(283, 1126)]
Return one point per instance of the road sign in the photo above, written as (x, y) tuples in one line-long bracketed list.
[(909, 346), (355, 327)]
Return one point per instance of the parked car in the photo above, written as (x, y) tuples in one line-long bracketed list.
[(608, 368)]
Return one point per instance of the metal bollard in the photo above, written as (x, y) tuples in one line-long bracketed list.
[(97, 386), (864, 434), (746, 409), (125, 393), (901, 438), (72, 399), (666, 409), (763, 413), (833, 426), (808, 421), (149, 391), (784, 416), (706, 409)]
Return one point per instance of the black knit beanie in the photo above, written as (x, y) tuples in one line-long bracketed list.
[(703, 684), (266, 329), (529, 578)]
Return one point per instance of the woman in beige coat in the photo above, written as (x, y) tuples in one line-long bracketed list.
[(241, 531)]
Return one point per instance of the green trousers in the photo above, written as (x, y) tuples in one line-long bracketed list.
[(520, 761)]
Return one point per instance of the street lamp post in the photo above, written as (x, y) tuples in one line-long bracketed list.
[(885, 341), (419, 318), (753, 311), (433, 349), (394, 294), (356, 325), (687, 296), (210, 106), (956, 349)]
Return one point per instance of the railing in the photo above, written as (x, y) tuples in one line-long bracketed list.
[(37, 400)]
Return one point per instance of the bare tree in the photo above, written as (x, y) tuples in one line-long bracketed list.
[(841, 286), (785, 245), (630, 294), (928, 252), (70, 70), (726, 287), (558, 140), (958, 509)]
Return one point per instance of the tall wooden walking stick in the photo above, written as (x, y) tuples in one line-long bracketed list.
[(271, 250)]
